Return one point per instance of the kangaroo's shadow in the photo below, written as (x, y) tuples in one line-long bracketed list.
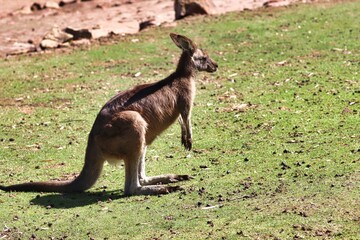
[(72, 200)]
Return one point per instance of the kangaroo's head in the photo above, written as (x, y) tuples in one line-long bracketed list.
[(200, 59)]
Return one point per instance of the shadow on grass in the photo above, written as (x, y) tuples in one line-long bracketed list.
[(72, 200)]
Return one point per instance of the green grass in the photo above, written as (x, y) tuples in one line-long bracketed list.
[(287, 167)]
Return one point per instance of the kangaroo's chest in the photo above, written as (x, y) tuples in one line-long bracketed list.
[(166, 110)]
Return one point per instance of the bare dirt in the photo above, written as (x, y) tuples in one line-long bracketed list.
[(24, 22)]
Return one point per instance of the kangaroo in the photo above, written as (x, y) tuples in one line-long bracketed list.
[(131, 121)]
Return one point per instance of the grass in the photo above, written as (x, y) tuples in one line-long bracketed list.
[(276, 132)]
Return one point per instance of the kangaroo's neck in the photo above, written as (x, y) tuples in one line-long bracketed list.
[(185, 67)]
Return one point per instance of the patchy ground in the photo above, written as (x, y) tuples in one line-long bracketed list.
[(276, 143), (24, 23)]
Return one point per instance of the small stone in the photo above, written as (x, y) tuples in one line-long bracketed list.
[(66, 2), (20, 48), (49, 44), (81, 42), (99, 33), (51, 4), (58, 35)]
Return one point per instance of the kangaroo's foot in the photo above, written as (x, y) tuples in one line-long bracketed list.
[(163, 179), (153, 190)]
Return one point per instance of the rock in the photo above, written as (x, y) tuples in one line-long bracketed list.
[(55, 38), (24, 10), (81, 42), (184, 8), (78, 34), (20, 48), (99, 33), (58, 35), (51, 4), (66, 2), (49, 44), (65, 44)]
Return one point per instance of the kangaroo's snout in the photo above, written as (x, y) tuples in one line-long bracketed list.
[(213, 66)]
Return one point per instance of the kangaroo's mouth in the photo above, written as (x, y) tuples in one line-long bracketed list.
[(212, 68)]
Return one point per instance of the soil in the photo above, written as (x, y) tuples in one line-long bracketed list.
[(26, 22)]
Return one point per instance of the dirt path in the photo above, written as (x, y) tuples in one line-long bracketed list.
[(20, 26)]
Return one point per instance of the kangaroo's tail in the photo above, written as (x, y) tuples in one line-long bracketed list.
[(87, 177)]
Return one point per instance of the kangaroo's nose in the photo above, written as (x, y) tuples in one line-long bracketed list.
[(215, 65)]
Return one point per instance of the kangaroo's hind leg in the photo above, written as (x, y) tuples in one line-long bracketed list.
[(132, 130), (160, 179)]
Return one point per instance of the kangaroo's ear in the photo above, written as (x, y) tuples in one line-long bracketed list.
[(183, 42)]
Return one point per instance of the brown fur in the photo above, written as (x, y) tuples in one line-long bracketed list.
[(132, 120)]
